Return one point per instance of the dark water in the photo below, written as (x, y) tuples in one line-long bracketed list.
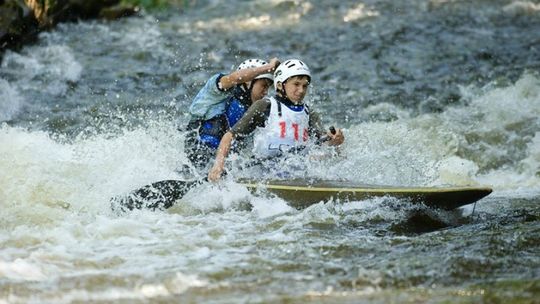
[(428, 93)]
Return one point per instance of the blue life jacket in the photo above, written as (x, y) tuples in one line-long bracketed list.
[(212, 130)]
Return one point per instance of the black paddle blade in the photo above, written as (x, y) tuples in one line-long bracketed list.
[(159, 195)]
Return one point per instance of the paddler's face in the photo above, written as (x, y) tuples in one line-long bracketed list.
[(260, 89), (296, 88)]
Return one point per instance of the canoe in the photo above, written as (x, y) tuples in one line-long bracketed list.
[(301, 193)]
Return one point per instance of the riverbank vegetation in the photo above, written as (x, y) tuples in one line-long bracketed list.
[(21, 21)]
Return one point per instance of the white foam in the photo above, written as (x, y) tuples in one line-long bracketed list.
[(51, 175), (457, 146), (226, 195), (457, 171), (11, 101), (47, 67), (390, 110), (502, 106), (506, 115), (21, 269), (373, 209), (32, 167), (267, 207), (176, 285), (398, 153), (522, 8), (359, 12)]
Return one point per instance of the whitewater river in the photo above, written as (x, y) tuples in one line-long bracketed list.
[(428, 93)]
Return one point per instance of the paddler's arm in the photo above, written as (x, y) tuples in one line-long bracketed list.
[(246, 75), (221, 155), (254, 117), (333, 137)]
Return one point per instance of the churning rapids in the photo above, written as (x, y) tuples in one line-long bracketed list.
[(438, 92)]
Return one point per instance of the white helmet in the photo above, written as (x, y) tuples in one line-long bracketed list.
[(255, 63), (290, 68)]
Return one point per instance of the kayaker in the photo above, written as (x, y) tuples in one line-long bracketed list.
[(282, 122), (221, 102)]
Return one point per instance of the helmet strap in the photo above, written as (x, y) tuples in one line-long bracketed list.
[(249, 88), (251, 84), (281, 90)]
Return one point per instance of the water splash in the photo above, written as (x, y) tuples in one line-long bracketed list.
[(11, 101), (51, 68)]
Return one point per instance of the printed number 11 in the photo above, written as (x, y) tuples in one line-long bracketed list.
[(283, 131)]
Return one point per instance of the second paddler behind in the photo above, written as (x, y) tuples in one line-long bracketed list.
[(282, 122)]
